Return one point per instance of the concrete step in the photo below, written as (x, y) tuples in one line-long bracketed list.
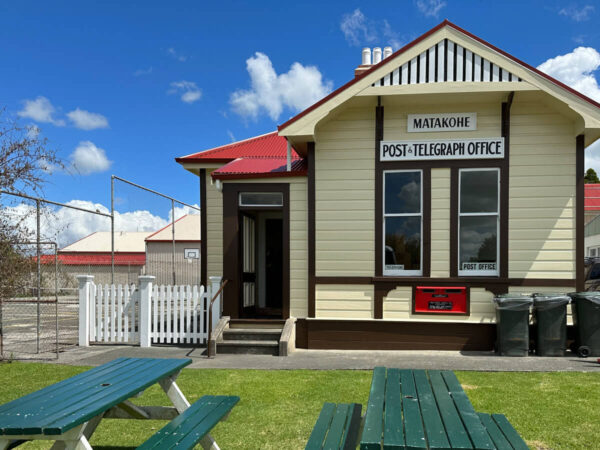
[(251, 334), (248, 347), (256, 323)]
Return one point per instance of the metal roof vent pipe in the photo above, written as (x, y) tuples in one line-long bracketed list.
[(376, 55), (387, 52), (366, 56)]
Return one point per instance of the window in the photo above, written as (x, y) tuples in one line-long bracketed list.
[(261, 199), (592, 252), (478, 221), (402, 222)]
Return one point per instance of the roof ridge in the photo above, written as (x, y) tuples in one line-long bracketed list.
[(165, 227), (397, 53), (220, 148)]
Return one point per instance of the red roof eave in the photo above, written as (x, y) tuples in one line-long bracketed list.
[(415, 42)]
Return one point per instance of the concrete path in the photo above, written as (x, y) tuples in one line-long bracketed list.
[(334, 359)]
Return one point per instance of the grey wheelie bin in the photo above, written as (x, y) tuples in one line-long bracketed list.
[(586, 319), (512, 324), (550, 319)]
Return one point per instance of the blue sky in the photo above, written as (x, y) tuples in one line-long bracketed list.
[(123, 87)]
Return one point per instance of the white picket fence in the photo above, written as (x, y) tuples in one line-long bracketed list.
[(145, 314)]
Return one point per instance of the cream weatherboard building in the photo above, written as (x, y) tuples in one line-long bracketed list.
[(388, 214)]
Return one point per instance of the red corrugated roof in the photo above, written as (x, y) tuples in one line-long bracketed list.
[(592, 197), (96, 259), (267, 145), (253, 167), (416, 41)]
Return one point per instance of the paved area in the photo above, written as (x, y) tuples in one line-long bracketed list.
[(333, 359)]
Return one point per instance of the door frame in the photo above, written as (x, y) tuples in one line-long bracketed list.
[(232, 261)]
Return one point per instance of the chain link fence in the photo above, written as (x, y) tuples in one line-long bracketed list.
[(51, 243)]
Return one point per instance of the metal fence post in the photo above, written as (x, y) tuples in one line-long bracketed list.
[(145, 309), (85, 289), (215, 283)]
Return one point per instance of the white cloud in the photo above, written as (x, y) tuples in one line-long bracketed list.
[(576, 69), (296, 89), (578, 14), (231, 136), (430, 8), (592, 157), (357, 28), (86, 120), (87, 159), (40, 110), (392, 37), (65, 225), (141, 72), (33, 131), (181, 211), (176, 55), (190, 93)]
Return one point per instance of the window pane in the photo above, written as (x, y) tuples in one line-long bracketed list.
[(403, 192), (479, 191), (261, 199), (402, 243), (478, 243)]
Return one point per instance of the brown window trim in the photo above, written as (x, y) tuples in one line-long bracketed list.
[(503, 212), (231, 242), (425, 214)]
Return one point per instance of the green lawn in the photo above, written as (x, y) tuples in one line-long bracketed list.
[(278, 408)]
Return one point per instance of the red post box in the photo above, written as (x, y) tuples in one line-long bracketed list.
[(441, 299)]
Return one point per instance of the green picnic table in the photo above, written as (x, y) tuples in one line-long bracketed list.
[(68, 412), (413, 409), (429, 409)]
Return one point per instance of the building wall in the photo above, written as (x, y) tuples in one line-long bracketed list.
[(345, 194), (541, 202), (159, 263), (344, 301), (102, 275), (542, 193), (214, 228)]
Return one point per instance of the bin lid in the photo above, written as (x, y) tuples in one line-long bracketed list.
[(516, 302), (550, 299), (591, 296)]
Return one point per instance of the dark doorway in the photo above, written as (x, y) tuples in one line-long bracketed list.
[(274, 264), (256, 250)]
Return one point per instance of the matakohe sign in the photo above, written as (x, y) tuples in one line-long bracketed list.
[(420, 123), (478, 148)]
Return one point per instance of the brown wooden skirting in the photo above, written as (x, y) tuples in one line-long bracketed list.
[(393, 335), (203, 231), (231, 243), (579, 211), (311, 228)]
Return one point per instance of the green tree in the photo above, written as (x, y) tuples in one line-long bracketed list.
[(591, 176)]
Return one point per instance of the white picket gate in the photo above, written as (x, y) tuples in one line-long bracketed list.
[(179, 315), (145, 314), (114, 313)]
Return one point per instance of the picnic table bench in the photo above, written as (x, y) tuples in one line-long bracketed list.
[(415, 409), (69, 412)]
